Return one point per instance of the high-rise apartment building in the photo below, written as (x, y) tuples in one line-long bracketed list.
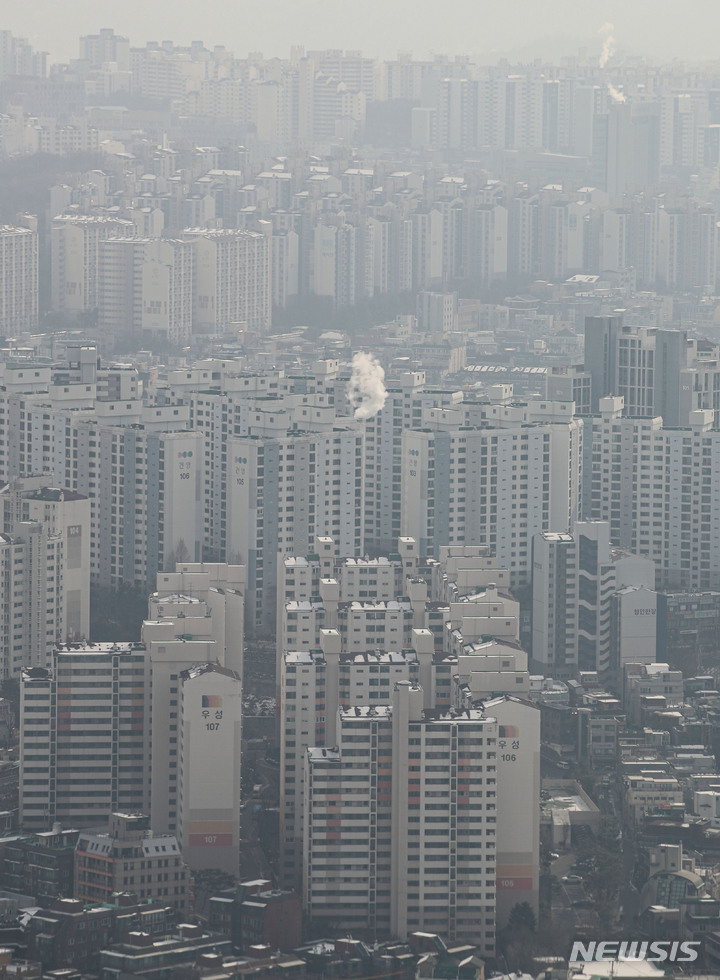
[(495, 484), (18, 58), (19, 282), (314, 684), (350, 628), (65, 515), (283, 490), (75, 241), (145, 290), (646, 366), (106, 45), (655, 487), (414, 844), (83, 737), (232, 280), (45, 575), (31, 594), (633, 148), (335, 249), (210, 738), (93, 740), (195, 617), (569, 383), (578, 581), (407, 400)]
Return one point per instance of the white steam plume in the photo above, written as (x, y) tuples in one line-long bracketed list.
[(366, 387), (608, 43), (608, 49)]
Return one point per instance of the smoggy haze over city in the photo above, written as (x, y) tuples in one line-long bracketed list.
[(660, 29)]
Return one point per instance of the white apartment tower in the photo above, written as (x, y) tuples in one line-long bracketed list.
[(401, 821), (232, 280), (145, 289), (32, 596), (145, 487), (83, 736), (65, 515), (93, 740), (195, 617), (282, 491), (210, 738), (45, 574), (406, 403), (496, 484), (75, 241), (656, 488), (18, 280), (314, 684)]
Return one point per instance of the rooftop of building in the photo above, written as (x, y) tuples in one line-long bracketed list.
[(55, 495), (173, 598), (560, 536), (365, 711), (93, 649), (366, 605), (102, 844), (198, 670)]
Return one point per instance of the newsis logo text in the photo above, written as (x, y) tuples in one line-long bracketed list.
[(652, 952)]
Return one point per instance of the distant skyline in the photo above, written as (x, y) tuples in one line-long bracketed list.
[(657, 29)]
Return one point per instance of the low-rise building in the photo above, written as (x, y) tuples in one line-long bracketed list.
[(40, 865), (257, 914), (647, 793), (130, 858), (643, 681), (141, 954), (70, 934)]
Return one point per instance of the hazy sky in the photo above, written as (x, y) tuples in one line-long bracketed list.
[(666, 29)]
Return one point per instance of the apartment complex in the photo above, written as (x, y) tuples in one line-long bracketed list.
[(93, 741), (496, 484), (401, 820), (350, 632), (654, 487), (195, 617), (140, 466)]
